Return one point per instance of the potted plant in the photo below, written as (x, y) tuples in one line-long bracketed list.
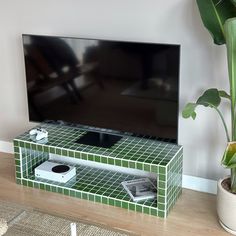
[(219, 17)]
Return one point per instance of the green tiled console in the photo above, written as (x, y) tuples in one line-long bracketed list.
[(100, 185)]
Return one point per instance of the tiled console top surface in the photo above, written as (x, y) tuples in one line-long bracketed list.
[(127, 151)]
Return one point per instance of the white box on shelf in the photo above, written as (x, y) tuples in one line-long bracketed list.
[(55, 171)]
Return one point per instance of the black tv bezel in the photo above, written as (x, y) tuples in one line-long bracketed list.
[(106, 129)]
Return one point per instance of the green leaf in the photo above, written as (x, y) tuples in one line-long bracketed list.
[(234, 2), (229, 158), (224, 94), (214, 13), (230, 35), (210, 98), (189, 111)]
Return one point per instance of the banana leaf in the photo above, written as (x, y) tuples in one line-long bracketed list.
[(229, 158), (230, 35), (210, 98), (234, 2), (214, 13)]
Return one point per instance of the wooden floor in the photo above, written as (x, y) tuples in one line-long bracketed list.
[(194, 213)]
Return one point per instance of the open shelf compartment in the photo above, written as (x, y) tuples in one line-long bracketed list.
[(93, 184)]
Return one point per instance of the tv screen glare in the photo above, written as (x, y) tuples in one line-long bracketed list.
[(115, 85)]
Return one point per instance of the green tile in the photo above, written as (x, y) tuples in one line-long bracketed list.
[(154, 169), (91, 197), (66, 192), (21, 144), (139, 208), (162, 170), (162, 177), (78, 194), (58, 151), (52, 150), (46, 149), (33, 146), (154, 212), (60, 190), (161, 214), (161, 206), (42, 186), (146, 210), (161, 184), (17, 162), (98, 198), (131, 206), (71, 154), (132, 165), (118, 203), (125, 205), (24, 182), (77, 155), (18, 175), (111, 161), (36, 185), (125, 164), (161, 199), (104, 200), (111, 202), (16, 149), (39, 148), (47, 187), (54, 189), (146, 167), (162, 192), (18, 181), (90, 157), (17, 156), (97, 158), (84, 156), (15, 143), (84, 196), (118, 162), (104, 160), (72, 193), (139, 166), (64, 152)]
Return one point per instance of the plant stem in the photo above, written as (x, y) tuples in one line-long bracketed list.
[(233, 180), (224, 124), (230, 36)]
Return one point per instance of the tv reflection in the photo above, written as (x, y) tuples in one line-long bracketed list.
[(124, 86)]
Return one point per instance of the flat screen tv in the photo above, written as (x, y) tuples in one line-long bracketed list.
[(130, 87)]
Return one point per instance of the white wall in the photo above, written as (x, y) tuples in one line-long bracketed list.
[(203, 64)]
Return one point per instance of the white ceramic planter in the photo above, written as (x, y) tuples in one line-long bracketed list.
[(226, 208)]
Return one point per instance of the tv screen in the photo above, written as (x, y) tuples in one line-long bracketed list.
[(113, 85)]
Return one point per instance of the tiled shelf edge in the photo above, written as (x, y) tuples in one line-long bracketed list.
[(169, 174)]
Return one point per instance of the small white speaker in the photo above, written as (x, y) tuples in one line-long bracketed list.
[(55, 172)]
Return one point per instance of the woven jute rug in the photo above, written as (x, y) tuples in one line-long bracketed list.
[(28, 222)]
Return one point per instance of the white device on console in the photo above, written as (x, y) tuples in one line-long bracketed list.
[(39, 133), (55, 172)]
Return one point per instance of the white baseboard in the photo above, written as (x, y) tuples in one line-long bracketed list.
[(6, 147), (199, 184), (189, 182)]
